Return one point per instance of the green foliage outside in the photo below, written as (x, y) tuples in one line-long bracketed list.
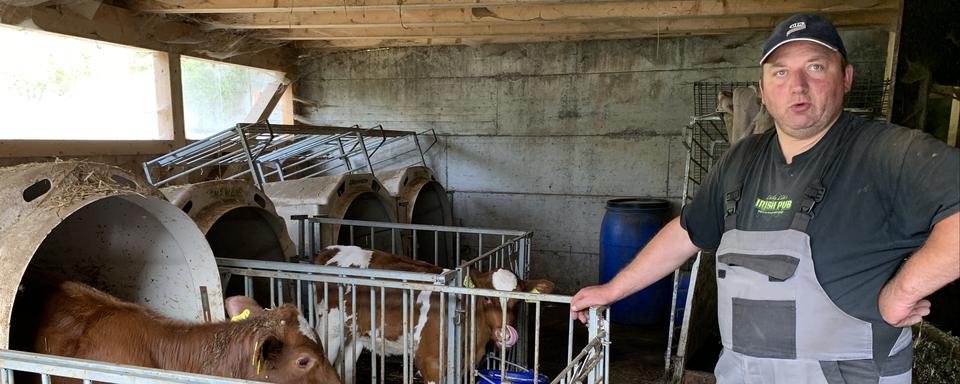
[(60, 81), (217, 96)]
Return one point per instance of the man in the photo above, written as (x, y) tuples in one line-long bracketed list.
[(829, 230)]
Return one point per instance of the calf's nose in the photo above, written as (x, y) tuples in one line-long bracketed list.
[(506, 338)]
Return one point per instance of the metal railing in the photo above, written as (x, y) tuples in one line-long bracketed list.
[(48, 366), (322, 292), (482, 249), (266, 152), (460, 246)]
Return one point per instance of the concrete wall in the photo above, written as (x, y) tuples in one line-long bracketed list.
[(538, 136)]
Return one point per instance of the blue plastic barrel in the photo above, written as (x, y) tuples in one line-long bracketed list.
[(682, 296), (628, 225)]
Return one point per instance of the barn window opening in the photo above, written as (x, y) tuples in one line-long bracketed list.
[(57, 87), (218, 96)]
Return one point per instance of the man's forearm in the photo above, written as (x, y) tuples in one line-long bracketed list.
[(661, 256), (932, 266)]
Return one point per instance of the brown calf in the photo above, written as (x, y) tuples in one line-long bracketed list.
[(275, 345)]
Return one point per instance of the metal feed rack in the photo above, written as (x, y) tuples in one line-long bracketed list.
[(484, 249), (267, 152)]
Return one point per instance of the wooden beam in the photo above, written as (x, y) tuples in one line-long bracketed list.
[(121, 26), (43, 148), (717, 26), (288, 110), (519, 13), (267, 100), (288, 6), (551, 31)]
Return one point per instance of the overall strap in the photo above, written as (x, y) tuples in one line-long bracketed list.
[(815, 192), (731, 198)]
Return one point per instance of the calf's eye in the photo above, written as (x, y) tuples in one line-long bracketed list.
[(303, 362)]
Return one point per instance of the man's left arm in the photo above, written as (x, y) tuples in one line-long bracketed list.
[(934, 265)]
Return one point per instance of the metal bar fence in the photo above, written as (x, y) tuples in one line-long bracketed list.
[(48, 366), (413, 291), (482, 249)]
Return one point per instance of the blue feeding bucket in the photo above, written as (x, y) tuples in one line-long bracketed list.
[(628, 225), (492, 376)]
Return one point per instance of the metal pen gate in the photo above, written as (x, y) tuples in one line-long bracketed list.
[(484, 248), (481, 248), (589, 365)]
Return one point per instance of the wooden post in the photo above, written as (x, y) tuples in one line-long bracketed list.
[(890, 70), (170, 97), (287, 105)]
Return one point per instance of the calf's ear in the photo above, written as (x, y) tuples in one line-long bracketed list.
[(538, 286), (266, 350), (482, 279), (241, 307)]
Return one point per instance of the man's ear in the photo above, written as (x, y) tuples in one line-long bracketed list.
[(237, 305), (760, 90), (848, 78)]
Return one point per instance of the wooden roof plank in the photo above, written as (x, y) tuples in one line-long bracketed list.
[(884, 19), (288, 6), (340, 18), (729, 25)]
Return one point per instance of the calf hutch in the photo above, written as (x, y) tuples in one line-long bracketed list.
[(103, 226)]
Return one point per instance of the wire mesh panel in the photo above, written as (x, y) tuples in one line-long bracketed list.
[(868, 98), (366, 305), (705, 94), (706, 141)]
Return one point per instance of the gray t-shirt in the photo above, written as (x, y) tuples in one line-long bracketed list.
[(891, 186)]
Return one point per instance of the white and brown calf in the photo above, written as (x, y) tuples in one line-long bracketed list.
[(425, 317)]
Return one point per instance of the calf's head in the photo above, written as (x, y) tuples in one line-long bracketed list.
[(277, 345), (501, 329)]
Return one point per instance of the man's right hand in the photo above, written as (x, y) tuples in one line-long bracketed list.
[(592, 296)]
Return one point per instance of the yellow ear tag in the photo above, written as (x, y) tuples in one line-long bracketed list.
[(533, 291), (467, 282), (242, 316)]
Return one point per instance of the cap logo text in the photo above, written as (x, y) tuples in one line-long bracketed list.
[(796, 27)]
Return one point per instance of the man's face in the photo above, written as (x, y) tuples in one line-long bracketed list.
[(802, 87)]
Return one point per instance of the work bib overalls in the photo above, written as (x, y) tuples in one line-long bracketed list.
[(777, 323)]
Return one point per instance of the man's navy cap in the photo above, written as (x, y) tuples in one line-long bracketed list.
[(804, 27)]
